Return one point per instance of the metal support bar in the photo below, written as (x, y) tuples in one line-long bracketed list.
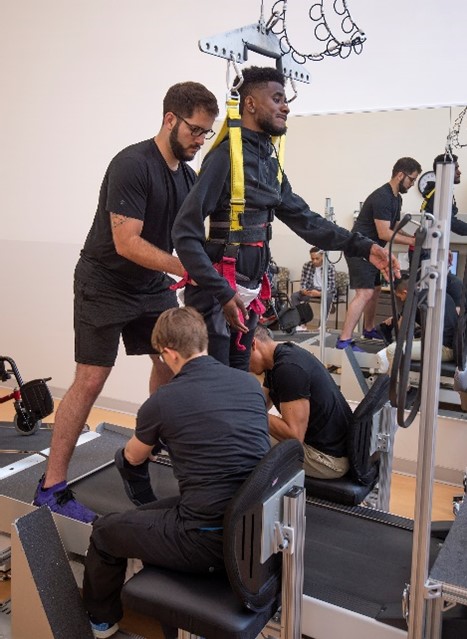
[(438, 242), (387, 429), (329, 215), (234, 45), (292, 565)]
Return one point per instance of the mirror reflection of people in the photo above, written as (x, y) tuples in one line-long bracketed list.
[(379, 215), (459, 227), (311, 407), (213, 422)]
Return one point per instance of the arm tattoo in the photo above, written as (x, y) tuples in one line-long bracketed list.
[(116, 219)]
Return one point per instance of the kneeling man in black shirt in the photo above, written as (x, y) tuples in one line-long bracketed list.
[(213, 421), (312, 408)]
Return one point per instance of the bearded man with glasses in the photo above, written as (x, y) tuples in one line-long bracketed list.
[(379, 215), (121, 286)]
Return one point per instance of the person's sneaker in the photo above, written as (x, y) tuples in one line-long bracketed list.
[(373, 334), (343, 343), (301, 328), (103, 630), (60, 499)]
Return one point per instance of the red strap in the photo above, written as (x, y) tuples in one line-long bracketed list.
[(186, 279)]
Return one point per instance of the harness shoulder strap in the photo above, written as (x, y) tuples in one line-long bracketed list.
[(427, 198)]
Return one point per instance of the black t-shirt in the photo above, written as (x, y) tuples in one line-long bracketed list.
[(382, 204), (451, 319), (138, 184), (213, 421), (297, 374)]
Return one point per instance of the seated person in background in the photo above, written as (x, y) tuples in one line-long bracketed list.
[(312, 408), (213, 421), (311, 282), (451, 318)]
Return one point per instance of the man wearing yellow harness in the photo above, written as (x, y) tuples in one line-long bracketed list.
[(228, 267)]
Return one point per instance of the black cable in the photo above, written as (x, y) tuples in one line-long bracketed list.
[(405, 220), (400, 371)]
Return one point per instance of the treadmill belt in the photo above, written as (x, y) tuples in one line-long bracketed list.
[(103, 491), (358, 564), (10, 439), (351, 562)]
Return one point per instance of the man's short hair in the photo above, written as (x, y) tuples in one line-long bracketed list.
[(263, 333), (185, 97), (402, 284), (443, 157), (406, 165), (315, 249), (182, 329), (256, 77)]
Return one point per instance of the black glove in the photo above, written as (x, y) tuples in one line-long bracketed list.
[(136, 479)]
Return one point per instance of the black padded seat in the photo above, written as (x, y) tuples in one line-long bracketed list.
[(345, 490), (447, 368), (236, 604), (352, 489), (180, 600)]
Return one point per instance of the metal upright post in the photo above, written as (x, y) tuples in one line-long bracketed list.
[(292, 563), (434, 277), (323, 309)]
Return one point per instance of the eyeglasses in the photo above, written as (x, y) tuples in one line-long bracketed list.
[(197, 131), (412, 179), (161, 355)]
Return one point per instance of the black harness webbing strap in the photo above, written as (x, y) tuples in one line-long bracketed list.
[(245, 236), (400, 371)]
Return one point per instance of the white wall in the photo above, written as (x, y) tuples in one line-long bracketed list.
[(81, 79)]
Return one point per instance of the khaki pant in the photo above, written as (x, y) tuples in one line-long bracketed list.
[(322, 466), (447, 353)]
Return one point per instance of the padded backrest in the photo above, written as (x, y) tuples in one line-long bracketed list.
[(36, 398), (359, 434), (256, 584)]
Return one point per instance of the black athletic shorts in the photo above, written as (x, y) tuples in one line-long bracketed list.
[(103, 314), (362, 274)]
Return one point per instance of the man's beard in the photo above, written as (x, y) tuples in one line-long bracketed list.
[(268, 127), (182, 154), (402, 189)]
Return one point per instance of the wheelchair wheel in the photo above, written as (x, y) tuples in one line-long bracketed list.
[(24, 425)]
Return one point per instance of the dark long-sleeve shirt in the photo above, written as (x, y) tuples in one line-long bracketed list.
[(459, 227), (210, 197)]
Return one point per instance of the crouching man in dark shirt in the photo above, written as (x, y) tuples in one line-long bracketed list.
[(312, 408), (213, 421)]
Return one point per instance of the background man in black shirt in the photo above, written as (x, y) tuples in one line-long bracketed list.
[(377, 219)]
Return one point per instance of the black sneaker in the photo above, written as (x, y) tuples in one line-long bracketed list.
[(103, 630)]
